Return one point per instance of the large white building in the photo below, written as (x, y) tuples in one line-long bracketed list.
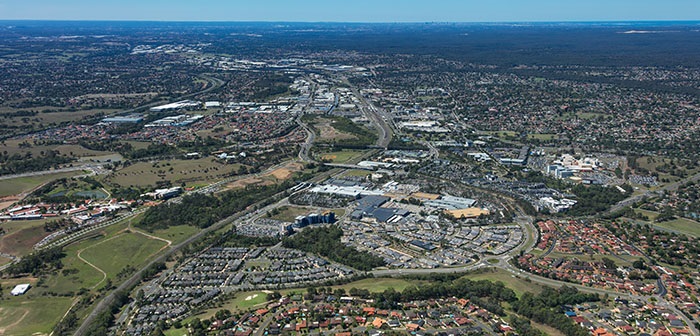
[(20, 289)]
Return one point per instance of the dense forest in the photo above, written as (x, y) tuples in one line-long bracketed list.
[(547, 308), (204, 210), (22, 163), (595, 199), (37, 263), (325, 241)]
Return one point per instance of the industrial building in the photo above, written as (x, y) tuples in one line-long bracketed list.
[(178, 121), (130, 119), (352, 191), (181, 105), (20, 289)]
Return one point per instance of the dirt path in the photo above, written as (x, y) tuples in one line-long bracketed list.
[(104, 275), (75, 301), (16, 323), (167, 242)]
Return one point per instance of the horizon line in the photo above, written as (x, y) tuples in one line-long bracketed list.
[(354, 22)]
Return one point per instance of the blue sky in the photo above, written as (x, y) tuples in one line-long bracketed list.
[(353, 10)]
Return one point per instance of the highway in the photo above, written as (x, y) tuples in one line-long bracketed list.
[(91, 167), (305, 149), (377, 116)]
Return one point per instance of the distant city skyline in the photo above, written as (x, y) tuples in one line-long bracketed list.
[(354, 11)]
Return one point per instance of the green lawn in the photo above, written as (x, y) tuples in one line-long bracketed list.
[(242, 302), (31, 315), (78, 274), (596, 257), (683, 225), (126, 249), (381, 284), (650, 214), (111, 255), (518, 284), (588, 115), (176, 332), (542, 136), (502, 134), (289, 213), (23, 184), (176, 234), (687, 226)]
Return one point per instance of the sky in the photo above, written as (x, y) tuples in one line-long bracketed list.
[(353, 10)]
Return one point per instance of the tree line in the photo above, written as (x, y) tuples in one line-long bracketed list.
[(21, 163), (547, 308), (325, 241), (204, 210)]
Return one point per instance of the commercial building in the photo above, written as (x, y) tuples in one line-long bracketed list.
[(303, 221), (468, 212), (451, 203), (164, 193)]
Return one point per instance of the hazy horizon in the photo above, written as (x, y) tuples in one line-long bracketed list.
[(360, 11)]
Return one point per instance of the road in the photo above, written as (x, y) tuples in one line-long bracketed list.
[(136, 277), (377, 116), (215, 84), (305, 149), (92, 168), (634, 199)]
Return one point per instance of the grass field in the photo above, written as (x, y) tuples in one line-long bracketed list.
[(547, 329), (650, 214), (176, 234), (596, 257), (31, 315), (12, 147), (24, 184), (79, 274), (683, 225), (289, 213), (21, 236), (176, 171), (341, 156), (518, 285), (357, 173), (241, 302), (501, 134), (687, 226), (176, 332), (112, 255), (111, 251), (651, 163), (381, 284), (542, 136), (588, 115)]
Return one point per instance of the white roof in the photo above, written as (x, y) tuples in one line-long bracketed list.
[(20, 289)]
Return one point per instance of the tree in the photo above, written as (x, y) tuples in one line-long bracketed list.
[(609, 263)]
